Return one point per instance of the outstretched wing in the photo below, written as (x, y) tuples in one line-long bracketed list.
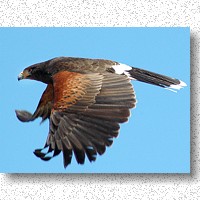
[(43, 109), (86, 113)]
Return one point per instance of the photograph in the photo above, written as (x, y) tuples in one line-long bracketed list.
[(95, 100)]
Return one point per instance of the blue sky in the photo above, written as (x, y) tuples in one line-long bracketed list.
[(156, 138)]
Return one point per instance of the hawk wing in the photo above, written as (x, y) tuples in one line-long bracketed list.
[(85, 113), (43, 109)]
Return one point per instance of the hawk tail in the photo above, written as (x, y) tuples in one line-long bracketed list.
[(156, 79), (149, 77)]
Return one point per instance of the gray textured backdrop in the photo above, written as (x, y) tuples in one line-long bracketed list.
[(109, 13)]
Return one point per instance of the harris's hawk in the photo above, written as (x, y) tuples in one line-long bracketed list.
[(85, 101)]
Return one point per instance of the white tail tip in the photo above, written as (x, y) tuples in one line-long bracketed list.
[(177, 87)]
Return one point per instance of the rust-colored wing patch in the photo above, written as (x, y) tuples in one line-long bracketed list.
[(45, 105), (75, 91), (47, 96)]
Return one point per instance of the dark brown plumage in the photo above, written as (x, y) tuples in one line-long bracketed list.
[(85, 101)]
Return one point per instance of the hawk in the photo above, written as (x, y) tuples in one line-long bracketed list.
[(85, 101)]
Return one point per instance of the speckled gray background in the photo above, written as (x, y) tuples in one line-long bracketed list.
[(109, 13)]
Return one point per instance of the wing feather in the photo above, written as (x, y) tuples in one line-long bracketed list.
[(86, 112), (43, 109)]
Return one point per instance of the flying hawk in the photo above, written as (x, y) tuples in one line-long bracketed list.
[(85, 101)]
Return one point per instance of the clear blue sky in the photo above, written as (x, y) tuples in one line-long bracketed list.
[(156, 139)]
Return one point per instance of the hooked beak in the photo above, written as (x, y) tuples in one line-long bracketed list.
[(23, 75), (20, 76)]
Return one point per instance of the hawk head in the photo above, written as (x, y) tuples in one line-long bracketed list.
[(36, 72)]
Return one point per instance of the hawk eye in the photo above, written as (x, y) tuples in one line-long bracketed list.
[(30, 70)]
